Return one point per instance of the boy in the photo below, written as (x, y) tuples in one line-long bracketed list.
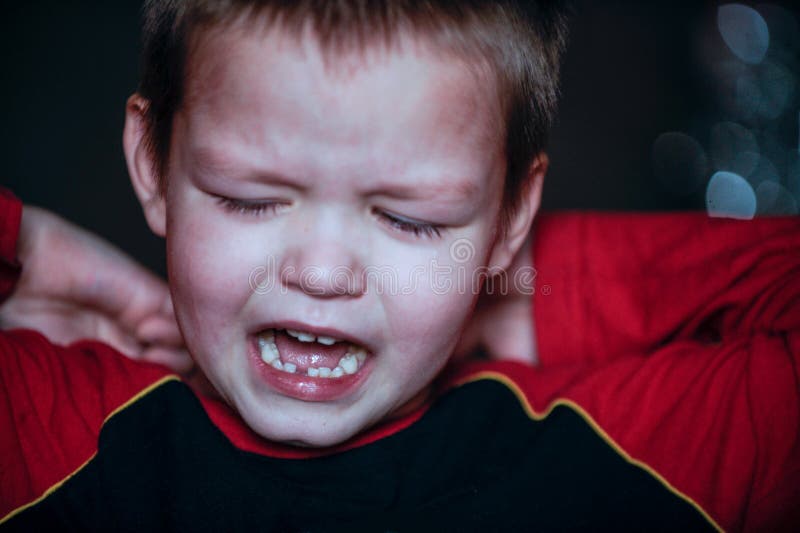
[(313, 145)]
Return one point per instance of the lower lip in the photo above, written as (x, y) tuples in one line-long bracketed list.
[(304, 387)]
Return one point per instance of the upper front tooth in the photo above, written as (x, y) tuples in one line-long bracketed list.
[(326, 340), (301, 335)]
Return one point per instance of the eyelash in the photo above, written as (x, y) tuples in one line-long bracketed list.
[(418, 229), (248, 208)]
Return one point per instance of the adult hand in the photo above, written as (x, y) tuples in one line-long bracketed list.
[(74, 285)]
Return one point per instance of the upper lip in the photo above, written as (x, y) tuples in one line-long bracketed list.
[(316, 331)]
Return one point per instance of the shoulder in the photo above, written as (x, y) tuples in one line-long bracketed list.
[(55, 400)]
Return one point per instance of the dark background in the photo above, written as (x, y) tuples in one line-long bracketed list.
[(634, 70)]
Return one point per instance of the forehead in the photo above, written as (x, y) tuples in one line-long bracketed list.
[(269, 95)]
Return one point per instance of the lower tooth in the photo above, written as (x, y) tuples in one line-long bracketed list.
[(269, 353), (266, 344), (325, 372), (357, 352), (277, 364), (349, 364), (290, 368)]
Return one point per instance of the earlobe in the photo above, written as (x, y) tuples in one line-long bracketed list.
[(140, 165), (519, 226)]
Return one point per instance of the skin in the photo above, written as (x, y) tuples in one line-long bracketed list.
[(75, 286), (337, 144)]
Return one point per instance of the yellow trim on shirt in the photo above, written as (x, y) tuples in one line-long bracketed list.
[(58, 485), (526, 406), (490, 375)]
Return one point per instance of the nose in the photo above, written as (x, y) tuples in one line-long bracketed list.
[(324, 261)]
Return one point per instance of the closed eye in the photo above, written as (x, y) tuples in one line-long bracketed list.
[(249, 207), (407, 225)]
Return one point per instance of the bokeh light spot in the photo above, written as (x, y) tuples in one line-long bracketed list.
[(773, 198), (745, 32), (734, 148), (728, 195)]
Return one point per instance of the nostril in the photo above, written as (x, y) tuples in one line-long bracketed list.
[(340, 280), (322, 267)]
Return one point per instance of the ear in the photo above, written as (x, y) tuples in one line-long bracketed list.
[(140, 165), (508, 245)]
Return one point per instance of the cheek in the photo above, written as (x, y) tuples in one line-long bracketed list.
[(209, 270), (434, 300)]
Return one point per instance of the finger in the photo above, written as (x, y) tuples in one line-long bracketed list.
[(176, 359), (105, 278), (128, 292), (65, 323), (158, 329), (109, 332), (167, 309)]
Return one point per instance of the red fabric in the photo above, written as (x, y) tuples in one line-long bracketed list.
[(610, 283), (53, 404), (680, 335), (246, 439), (53, 399), (10, 218)]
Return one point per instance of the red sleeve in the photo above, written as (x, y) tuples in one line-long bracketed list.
[(53, 399), (10, 218), (613, 283), (679, 336)]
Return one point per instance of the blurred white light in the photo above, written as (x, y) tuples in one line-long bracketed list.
[(734, 148), (679, 162), (744, 31), (728, 195), (774, 199)]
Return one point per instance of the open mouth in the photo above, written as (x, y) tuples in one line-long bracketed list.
[(305, 354)]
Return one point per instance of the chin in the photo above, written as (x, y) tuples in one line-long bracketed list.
[(302, 431)]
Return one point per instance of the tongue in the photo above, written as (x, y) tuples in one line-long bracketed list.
[(306, 354)]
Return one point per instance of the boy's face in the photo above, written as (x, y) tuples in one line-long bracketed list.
[(347, 162)]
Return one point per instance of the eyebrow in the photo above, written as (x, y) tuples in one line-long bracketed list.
[(461, 191), (210, 162)]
